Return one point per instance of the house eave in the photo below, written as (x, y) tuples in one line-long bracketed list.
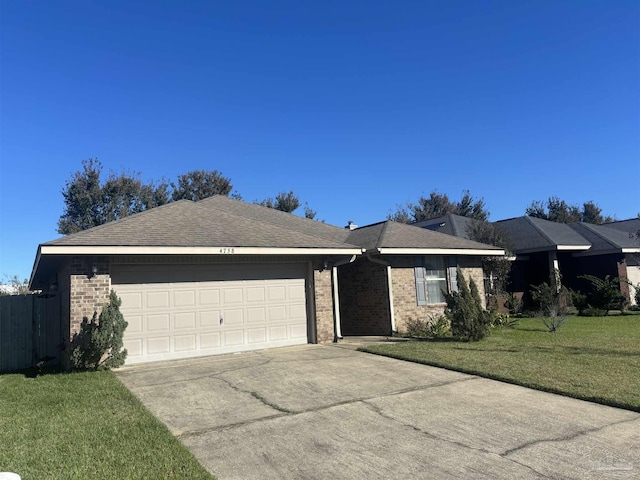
[(171, 250), (610, 251), (440, 251), (554, 248)]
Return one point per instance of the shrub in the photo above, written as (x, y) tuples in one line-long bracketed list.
[(605, 293), (469, 321), (503, 320), (98, 344), (552, 303), (432, 327), (513, 303)]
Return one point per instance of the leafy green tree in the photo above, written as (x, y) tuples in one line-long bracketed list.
[(82, 199), (438, 204), (198, 184), (469, 320), (557, 210), (497, 267), (89, 202), (283, 201), (99, 344)]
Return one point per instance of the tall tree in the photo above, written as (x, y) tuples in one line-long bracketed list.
[(199, 184), (82, 199), (438, 204), (557, 210), (283, 201)]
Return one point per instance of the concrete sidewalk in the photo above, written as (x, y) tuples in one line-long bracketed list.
[(316, 412)]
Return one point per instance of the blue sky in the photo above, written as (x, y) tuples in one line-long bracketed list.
[(355, 105)]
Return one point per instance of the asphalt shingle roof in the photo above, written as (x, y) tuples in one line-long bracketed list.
[(449, 223), (530, 233), (604, 238), (391, 234), (208, 224)]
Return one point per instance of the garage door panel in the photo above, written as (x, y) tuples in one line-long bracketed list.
[(132, 300), (233, 338), (184, 343), (134, 323), (210, 340), (184, 320), (209, 318), (219, 309), (278, 333), (158, 345), (255, 294), (256, 315), (210, 296), (232, 296), (277, 293), (158, 322), (256, 335), (184, 298), (159, 299)]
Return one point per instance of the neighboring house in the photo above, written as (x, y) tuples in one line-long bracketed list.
[(542, 247), (220, 275)]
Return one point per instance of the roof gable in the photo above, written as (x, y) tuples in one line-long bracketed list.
[(528, 234)]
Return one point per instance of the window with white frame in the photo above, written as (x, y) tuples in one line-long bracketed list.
[(434, 276)]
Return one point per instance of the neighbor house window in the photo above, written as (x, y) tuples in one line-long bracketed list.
[(431, 279)]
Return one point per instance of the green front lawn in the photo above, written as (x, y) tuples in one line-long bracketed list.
[(592, 358), (85, 425)]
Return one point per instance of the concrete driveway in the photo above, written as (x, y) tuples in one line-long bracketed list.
[(316, 412)]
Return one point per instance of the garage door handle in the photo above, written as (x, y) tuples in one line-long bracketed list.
[(221, 320)]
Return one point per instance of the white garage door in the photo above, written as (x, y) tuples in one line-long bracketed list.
[(633, 275), (189, 311)]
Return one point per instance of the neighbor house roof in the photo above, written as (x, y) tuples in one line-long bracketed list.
[(398, 238), (631, 225), (530, 234), (605, 239), (449, 223)]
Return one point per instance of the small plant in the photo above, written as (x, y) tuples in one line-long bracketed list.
[(432, 327), (503, 320), (552, 302), (98, 344), (469, 321), (513, 303)]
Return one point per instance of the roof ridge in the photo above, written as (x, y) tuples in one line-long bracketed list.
[(383, 232), (539, 230), (597, 234)]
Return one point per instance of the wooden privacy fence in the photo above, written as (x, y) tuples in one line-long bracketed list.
[(29, 331)]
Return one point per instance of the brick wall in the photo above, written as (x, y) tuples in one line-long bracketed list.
[(405, 303), (403, 285), (88, 293), (324, 306), (364, 299)]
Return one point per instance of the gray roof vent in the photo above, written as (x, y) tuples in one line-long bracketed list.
[(351, 225)]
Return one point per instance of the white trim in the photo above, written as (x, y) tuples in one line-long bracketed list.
[(393, 316), (567, 248), (159, 250), (439, 251), (609, 251), (35, 268)]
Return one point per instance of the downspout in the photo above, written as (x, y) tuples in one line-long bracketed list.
[(336, 293), (389, 287)]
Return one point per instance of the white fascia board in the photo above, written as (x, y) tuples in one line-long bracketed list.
[(440, 251), (573, 247), (159, 250), (35, 268), (591, 253), (564, 248)]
